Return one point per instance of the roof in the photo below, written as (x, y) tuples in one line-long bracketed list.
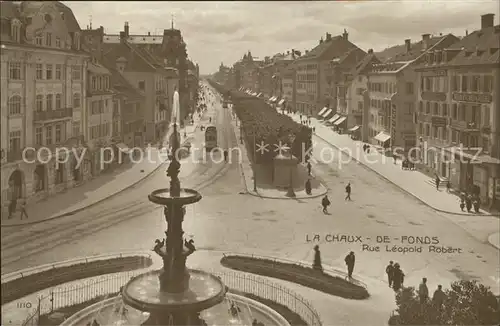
[(333, 48), (398, 53), (365, 64), (97, 68), (135, 62), (69, 18), (479, 47), (123, 87)]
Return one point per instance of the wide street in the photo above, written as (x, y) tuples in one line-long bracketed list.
[(228, 221)]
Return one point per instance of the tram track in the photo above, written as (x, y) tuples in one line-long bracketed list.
[(98, 218), (71, 232)]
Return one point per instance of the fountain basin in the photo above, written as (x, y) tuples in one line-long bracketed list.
[(143, 293), (186, 197)]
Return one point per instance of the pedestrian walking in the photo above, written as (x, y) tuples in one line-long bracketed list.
[(225, 155), (398, 278), (448, 186), (23, 210), (309, 168), (389, 270), (423, 291), (395, 158), (468, 203), (12, 207), (437, 182), (350, 260), (348, 191), (325, 202)]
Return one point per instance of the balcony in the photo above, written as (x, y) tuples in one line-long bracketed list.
[(50, 115)]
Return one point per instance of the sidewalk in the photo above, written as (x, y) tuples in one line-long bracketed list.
[(412, 182), (266, 190), (94, 191)]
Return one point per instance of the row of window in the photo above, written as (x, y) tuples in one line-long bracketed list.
[(43, 71), (99, 107), (50, 135), (458, 111), (100, 83), (51, 101), (99, 131), (311, 66), (450, 135), (388, 88), (472, 83), (306, 77)]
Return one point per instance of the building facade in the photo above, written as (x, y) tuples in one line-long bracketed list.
[(392, 93), (43, 86), (317, 74), (98, 116), (459, 112)]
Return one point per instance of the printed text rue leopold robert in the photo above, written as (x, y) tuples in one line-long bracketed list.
[(404, 244)]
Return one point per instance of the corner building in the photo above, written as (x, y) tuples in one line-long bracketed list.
[(43, 87), (460, 123)]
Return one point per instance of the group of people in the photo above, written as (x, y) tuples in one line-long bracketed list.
[(395, 276), (468, 201), (423, 294)]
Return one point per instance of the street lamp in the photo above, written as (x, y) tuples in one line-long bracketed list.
[(290, 193)]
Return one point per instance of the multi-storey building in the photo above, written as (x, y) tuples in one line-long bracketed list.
[(318, 72), (97, 117), (357, 100), (248, 73), (128, 122), (288, 86), (146, 70), (459, 111), (43, 87), (392, 93)]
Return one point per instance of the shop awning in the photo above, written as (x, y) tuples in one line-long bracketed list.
[(323, 110), (258, 95), (272, 99), (122, 147), (327, 113), (335, 117), (354, 128), (382, 137), (281, 102), (340, 120)]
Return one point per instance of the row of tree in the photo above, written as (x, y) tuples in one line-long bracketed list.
[(265, 129)]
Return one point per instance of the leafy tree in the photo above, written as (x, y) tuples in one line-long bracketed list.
[(465, 303)]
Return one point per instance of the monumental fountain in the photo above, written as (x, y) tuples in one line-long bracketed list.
[(174, 295)]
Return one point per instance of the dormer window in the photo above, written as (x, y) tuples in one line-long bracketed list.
[(39, 40), (445, 56), (431, 58), (99, 83), (58, 42), (94, 83), (16, 30)]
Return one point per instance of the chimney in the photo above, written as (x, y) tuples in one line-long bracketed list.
[(126, 30), (321, 40), (408, 45), (370, 51), (345, 35), (425, 41), (149, 33), (487, 20), (328, 36), (122, 37)]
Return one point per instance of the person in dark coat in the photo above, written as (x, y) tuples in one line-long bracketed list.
[(348, 191), (468, 203), (350, 260), (308, 186), (437, 182), (389, 270), (309, 167), (325, 202), (317, 259), (438, 297), (397, 278)]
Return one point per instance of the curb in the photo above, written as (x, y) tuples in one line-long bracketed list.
[(96, 202), (400, 187), (494, 243)]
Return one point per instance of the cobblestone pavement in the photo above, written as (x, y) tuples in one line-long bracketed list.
[(228, 221)]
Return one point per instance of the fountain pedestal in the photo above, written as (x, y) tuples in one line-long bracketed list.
[(174, 295)]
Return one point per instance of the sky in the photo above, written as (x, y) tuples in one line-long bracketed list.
[(218, 32)]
